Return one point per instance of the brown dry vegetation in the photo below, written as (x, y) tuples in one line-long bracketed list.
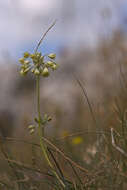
[(87, 98)]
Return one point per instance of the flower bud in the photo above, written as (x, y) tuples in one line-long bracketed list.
[(45, 72), (21, 60), (45, 116), (54, 67), (52, 56), (22, 72), (31, 131), (41, 59), (32, 56), (31, 126), (26, 55), (26, 62), (26, 70), (49, 63), (49, 118), (36, 72)]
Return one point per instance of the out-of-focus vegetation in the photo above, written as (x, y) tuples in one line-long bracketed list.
[(87, 138)]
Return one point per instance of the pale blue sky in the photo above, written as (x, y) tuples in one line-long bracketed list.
[(79, 22)]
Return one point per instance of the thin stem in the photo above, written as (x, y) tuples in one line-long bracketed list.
[(38, 106), (64, 156), (42, 38), (41, 133)]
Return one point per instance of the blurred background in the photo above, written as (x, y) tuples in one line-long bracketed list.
[(89, 39)]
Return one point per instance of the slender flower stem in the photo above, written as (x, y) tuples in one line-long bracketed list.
[(41, 133)]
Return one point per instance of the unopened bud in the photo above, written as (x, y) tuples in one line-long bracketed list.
[(36, 72), (22, 72), (26, 55), (54, 67), (31, 126), (41, 59), (26, 70), (49, 63), (26, 62), (52, 56), (45, 72), (49, 118), (21, 60), (32, 56), (31, 131)]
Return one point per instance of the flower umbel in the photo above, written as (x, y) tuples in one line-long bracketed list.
[(36, 64)]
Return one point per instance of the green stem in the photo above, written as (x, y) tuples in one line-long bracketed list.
[(41, 133)]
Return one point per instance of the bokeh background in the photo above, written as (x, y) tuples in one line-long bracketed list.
[(80, 23), (90, 41)]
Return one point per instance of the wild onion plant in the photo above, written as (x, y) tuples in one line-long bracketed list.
[(40, 66)]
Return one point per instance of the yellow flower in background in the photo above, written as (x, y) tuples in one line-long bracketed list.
[(77, 140), (65, 134)]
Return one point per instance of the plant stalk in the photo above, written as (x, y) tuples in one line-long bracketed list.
[(41, 133)]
